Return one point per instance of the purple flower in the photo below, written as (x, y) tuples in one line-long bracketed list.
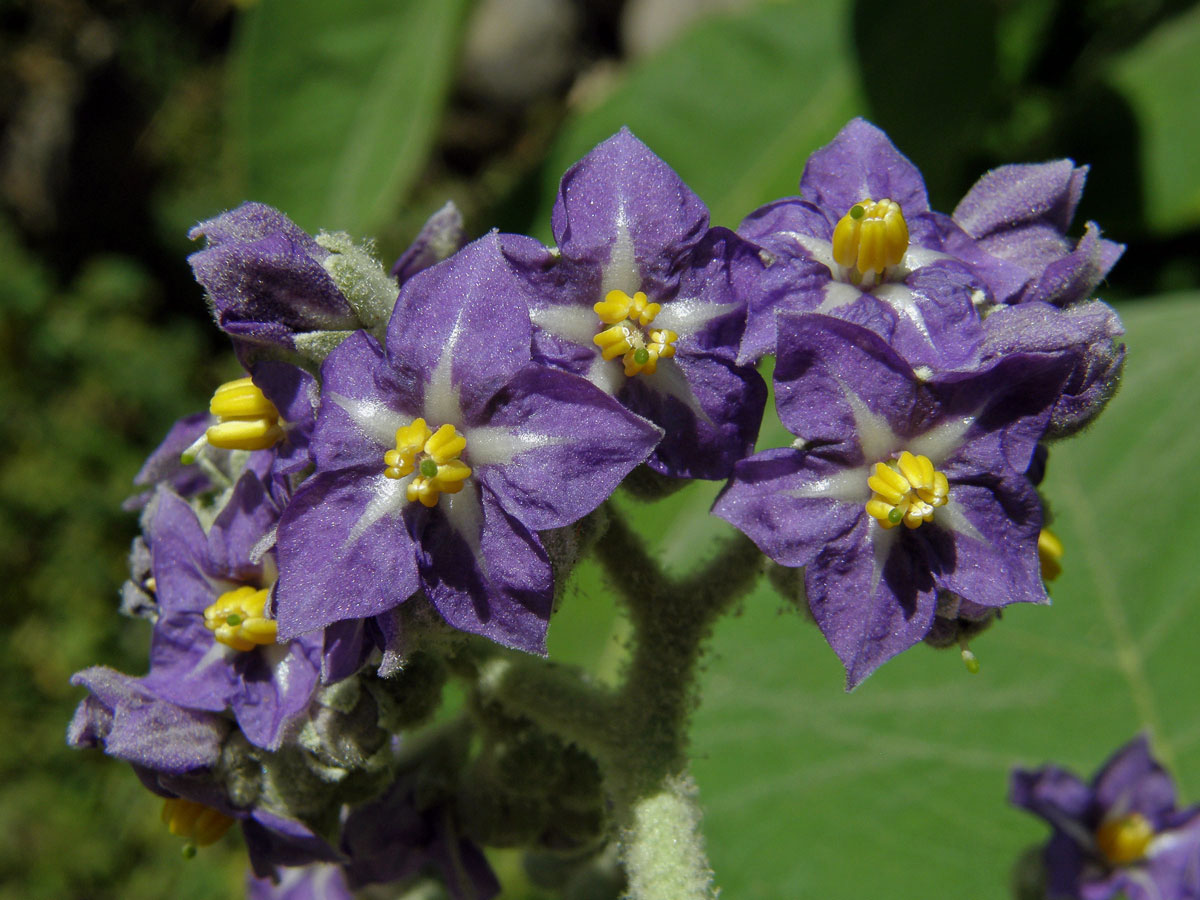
[(213, 647), (645, 300), (265, 280), (878, 447), (1013, 225), (439, 460), (177, 752), (1122, 833), (861, 243)]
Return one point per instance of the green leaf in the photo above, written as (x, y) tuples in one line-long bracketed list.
[(1158, 78), (735, 105), (899, 789), (335, 104)]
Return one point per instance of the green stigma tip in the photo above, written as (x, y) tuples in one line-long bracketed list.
[(233, 619), (187, 458), (189, 850), (641, 356), (895, 516), (972, 661), (429, 468), (857, 212)]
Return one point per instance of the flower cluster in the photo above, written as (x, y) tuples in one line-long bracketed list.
[(415, 460), (1121, 834)]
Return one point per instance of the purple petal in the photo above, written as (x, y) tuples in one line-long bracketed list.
[(484, 572), (623, 210), (313, 882), (1134, 781), (771, 499), (1073, 277), (870, 609), (440, 237), (861, 163), (462, 328), (247, 517), (1021, 194), (277, 685), (829, 370), (356, 378), (336, 559), (994, 561), (556, 447), (131, 724)]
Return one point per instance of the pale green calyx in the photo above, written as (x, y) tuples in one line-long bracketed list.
[(366, 285)]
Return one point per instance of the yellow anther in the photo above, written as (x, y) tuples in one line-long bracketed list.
[(445, 445), (433, 456), (615, 341), (906, 490), (627, 338), (1125, 839), (1050, 554), (236, 619), (200, 824), (248, 420), (870, 237)]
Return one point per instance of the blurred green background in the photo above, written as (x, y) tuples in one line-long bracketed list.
[(124, 123)]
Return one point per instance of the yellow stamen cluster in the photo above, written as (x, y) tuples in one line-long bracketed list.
[(200, 824), (628, 337), (248, 420), (236, 619), (1125, 839), (870, 237), (434, 455), (1050, 554), (906, 490)]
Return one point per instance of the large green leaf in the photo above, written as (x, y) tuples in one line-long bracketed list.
[(335, 104), (735, 105), (898, 789), (1159, 79)]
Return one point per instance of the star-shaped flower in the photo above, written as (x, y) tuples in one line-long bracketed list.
[(439, 460), (647, 301), (896, 488), (213, 646), (1121, 834), (861, 243)]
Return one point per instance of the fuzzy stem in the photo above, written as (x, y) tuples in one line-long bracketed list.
[(663, 848)]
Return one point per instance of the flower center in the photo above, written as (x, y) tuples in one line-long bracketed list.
[(906, 490), (434, 455), (236, 619), (200, 824), (870, 237), (1124, 840), (248, 420), (629, 336)]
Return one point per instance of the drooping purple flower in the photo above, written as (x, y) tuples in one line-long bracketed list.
[(264, 277), (646, 301), (1014, 223), (439, 460), (877, 447), (212, 647), (176, 753), (1121, 834), (861, 243)]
